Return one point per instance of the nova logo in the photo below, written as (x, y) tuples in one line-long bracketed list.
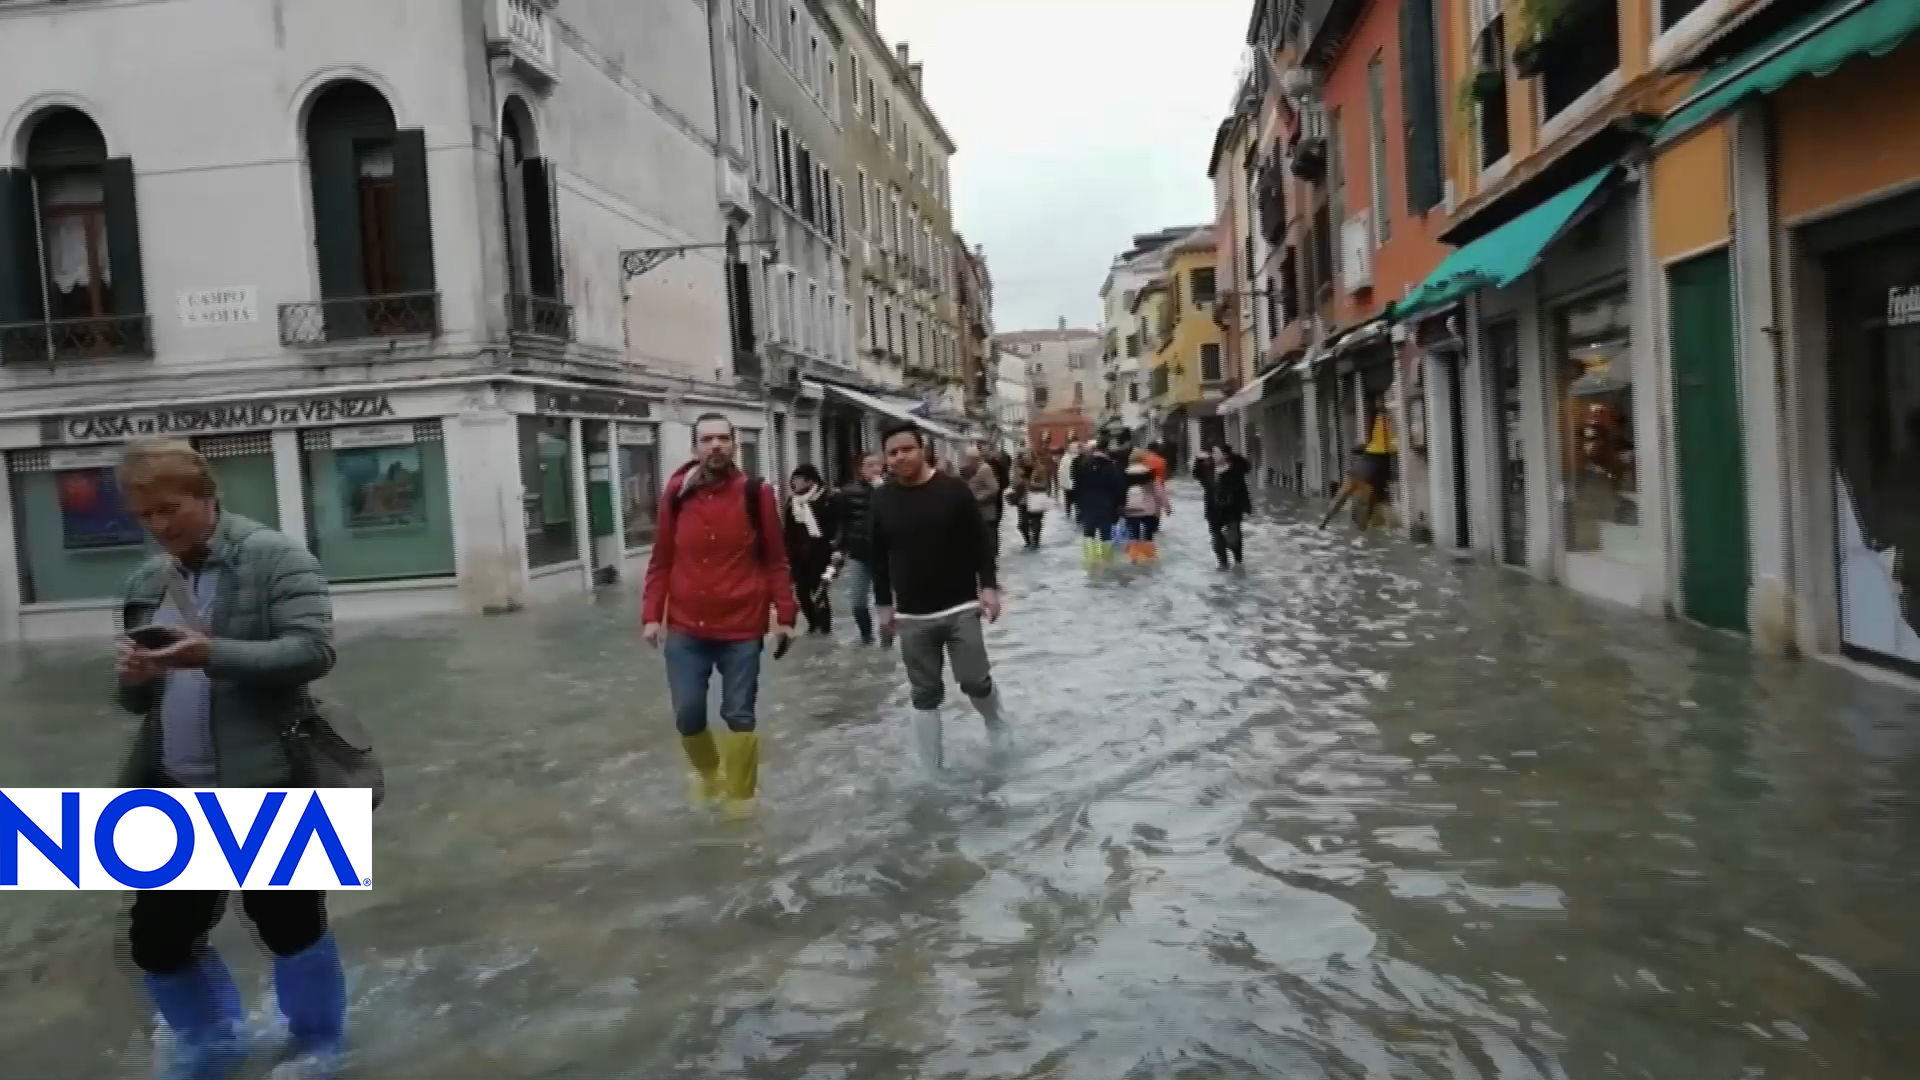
[(146, 838)]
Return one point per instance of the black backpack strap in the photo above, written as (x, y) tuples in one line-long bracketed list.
[(754, 484)]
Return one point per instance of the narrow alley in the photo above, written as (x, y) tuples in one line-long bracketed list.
[(1353, 812)]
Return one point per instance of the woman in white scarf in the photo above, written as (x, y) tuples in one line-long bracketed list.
[(811, 529)]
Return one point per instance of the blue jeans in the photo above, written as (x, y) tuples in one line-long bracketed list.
[(859, 578), (691, 663)]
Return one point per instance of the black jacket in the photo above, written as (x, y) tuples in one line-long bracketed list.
[(1227, 496), (856, 521), (804, 550), (1098, 490)]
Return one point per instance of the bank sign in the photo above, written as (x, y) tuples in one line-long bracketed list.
[(221, 419), (99, 839)]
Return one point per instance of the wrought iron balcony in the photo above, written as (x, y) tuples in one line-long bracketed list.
[(339, 320), (540, 316), (103, 337)]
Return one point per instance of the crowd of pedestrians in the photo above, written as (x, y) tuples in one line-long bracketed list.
[(224, 630)]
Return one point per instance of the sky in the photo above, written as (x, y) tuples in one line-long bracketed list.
[(1079, 123)]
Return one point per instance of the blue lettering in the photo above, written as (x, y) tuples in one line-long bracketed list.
[(240, 856), (315, 823), (65, 856), (103, 839)]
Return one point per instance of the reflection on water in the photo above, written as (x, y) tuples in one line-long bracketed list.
[(1350, 813)]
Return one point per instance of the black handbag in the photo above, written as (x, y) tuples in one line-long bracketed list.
[(326, 746)]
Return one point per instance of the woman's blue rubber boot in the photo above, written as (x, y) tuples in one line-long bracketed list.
[(312, 990), (201, 1004)]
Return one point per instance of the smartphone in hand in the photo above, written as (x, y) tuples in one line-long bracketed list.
[(153, 637)]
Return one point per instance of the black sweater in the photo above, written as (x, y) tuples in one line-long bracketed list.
[(930, 549)]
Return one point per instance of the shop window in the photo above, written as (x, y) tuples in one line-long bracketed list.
[(78, 541), (546, 478), (639, 484), (377, 502), (748, 445), (242, 467), (1599, 449), (71, 281), (1873, 306)]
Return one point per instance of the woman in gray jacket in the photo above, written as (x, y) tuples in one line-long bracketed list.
[(212, 706)]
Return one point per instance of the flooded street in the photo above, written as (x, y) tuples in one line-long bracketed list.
[(1353, 812)]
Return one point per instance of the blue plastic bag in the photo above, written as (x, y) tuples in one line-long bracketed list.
[(1120, 533)]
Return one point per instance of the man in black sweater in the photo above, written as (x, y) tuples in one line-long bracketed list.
[(933, 579)]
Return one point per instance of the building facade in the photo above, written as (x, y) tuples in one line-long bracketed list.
[(1126, 342), (1191, 359), (410, 341), (979, 370)]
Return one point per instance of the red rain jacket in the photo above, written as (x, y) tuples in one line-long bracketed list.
[(705, 579)]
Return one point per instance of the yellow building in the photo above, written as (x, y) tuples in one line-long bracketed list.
[(1192, 345)]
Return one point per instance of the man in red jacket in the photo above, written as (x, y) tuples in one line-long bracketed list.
[(718, 566)]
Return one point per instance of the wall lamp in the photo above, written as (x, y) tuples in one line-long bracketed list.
[(642, 261)]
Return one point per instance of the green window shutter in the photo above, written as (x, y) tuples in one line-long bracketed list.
[(414, 211), (335, 175), (21, 296), (543, 242), (123, 250), (1420, 105)]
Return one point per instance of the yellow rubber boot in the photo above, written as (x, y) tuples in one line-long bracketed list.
[(740, 770), (1089, 551), (704, 755)]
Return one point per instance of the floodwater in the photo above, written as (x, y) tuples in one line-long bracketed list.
[(1353, 812)]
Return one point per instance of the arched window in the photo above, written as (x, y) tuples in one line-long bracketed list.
[(536, 291), (70, 274), (372, 222)]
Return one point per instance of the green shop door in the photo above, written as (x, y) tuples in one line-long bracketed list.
[(1714, 573)]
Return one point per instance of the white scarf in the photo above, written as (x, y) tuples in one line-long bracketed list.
[(802, 509)]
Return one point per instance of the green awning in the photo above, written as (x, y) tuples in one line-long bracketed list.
[(1816, 45), (1504, 255)]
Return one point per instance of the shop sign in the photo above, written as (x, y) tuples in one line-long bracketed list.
[(223, 418), (349, 438), (592, 403), (634, 434), (1903, 306), (219, 307), (90, 457)]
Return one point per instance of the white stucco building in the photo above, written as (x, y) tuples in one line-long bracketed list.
[(1011, 401), (368, 256)]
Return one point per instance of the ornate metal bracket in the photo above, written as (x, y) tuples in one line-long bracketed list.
[(642, 261)]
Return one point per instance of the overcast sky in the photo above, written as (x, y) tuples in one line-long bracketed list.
[(1079, 123)]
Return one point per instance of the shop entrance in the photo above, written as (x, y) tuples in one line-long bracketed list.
[(1457, 448), (1873, 373), (1503, 355), (1714, 574)]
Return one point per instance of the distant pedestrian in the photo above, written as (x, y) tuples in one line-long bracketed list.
[(1028, 495), (1069, 475), (855, 554), (1227, 503), (719, 567), (810, 526), (1145, 501), (935, 577), (986, 488), (1099, 491), (250, 616)]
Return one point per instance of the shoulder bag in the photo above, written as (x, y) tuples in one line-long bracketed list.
[(326, 746)]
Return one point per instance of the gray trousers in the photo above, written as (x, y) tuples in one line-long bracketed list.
[(925, 643)]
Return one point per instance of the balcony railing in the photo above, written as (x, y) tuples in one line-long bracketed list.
[(540, 316), (76, 339), (359, 318)]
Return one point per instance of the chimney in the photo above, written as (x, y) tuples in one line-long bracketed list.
[(1063, 324), (900, 51), (913, 72)]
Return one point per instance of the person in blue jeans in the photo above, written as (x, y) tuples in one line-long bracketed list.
[(856, 543), (719, 567)]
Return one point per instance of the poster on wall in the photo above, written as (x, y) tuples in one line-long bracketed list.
[(380, 487), (1876, 608), (93, 512)]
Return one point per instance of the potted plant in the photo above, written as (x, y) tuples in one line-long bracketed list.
[(1540, 23), (1486, 82)]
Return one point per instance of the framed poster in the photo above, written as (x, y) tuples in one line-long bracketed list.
[(93, 512), (380, 487)]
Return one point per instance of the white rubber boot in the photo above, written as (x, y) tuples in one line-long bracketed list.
[(926, 732), (999, 735)]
